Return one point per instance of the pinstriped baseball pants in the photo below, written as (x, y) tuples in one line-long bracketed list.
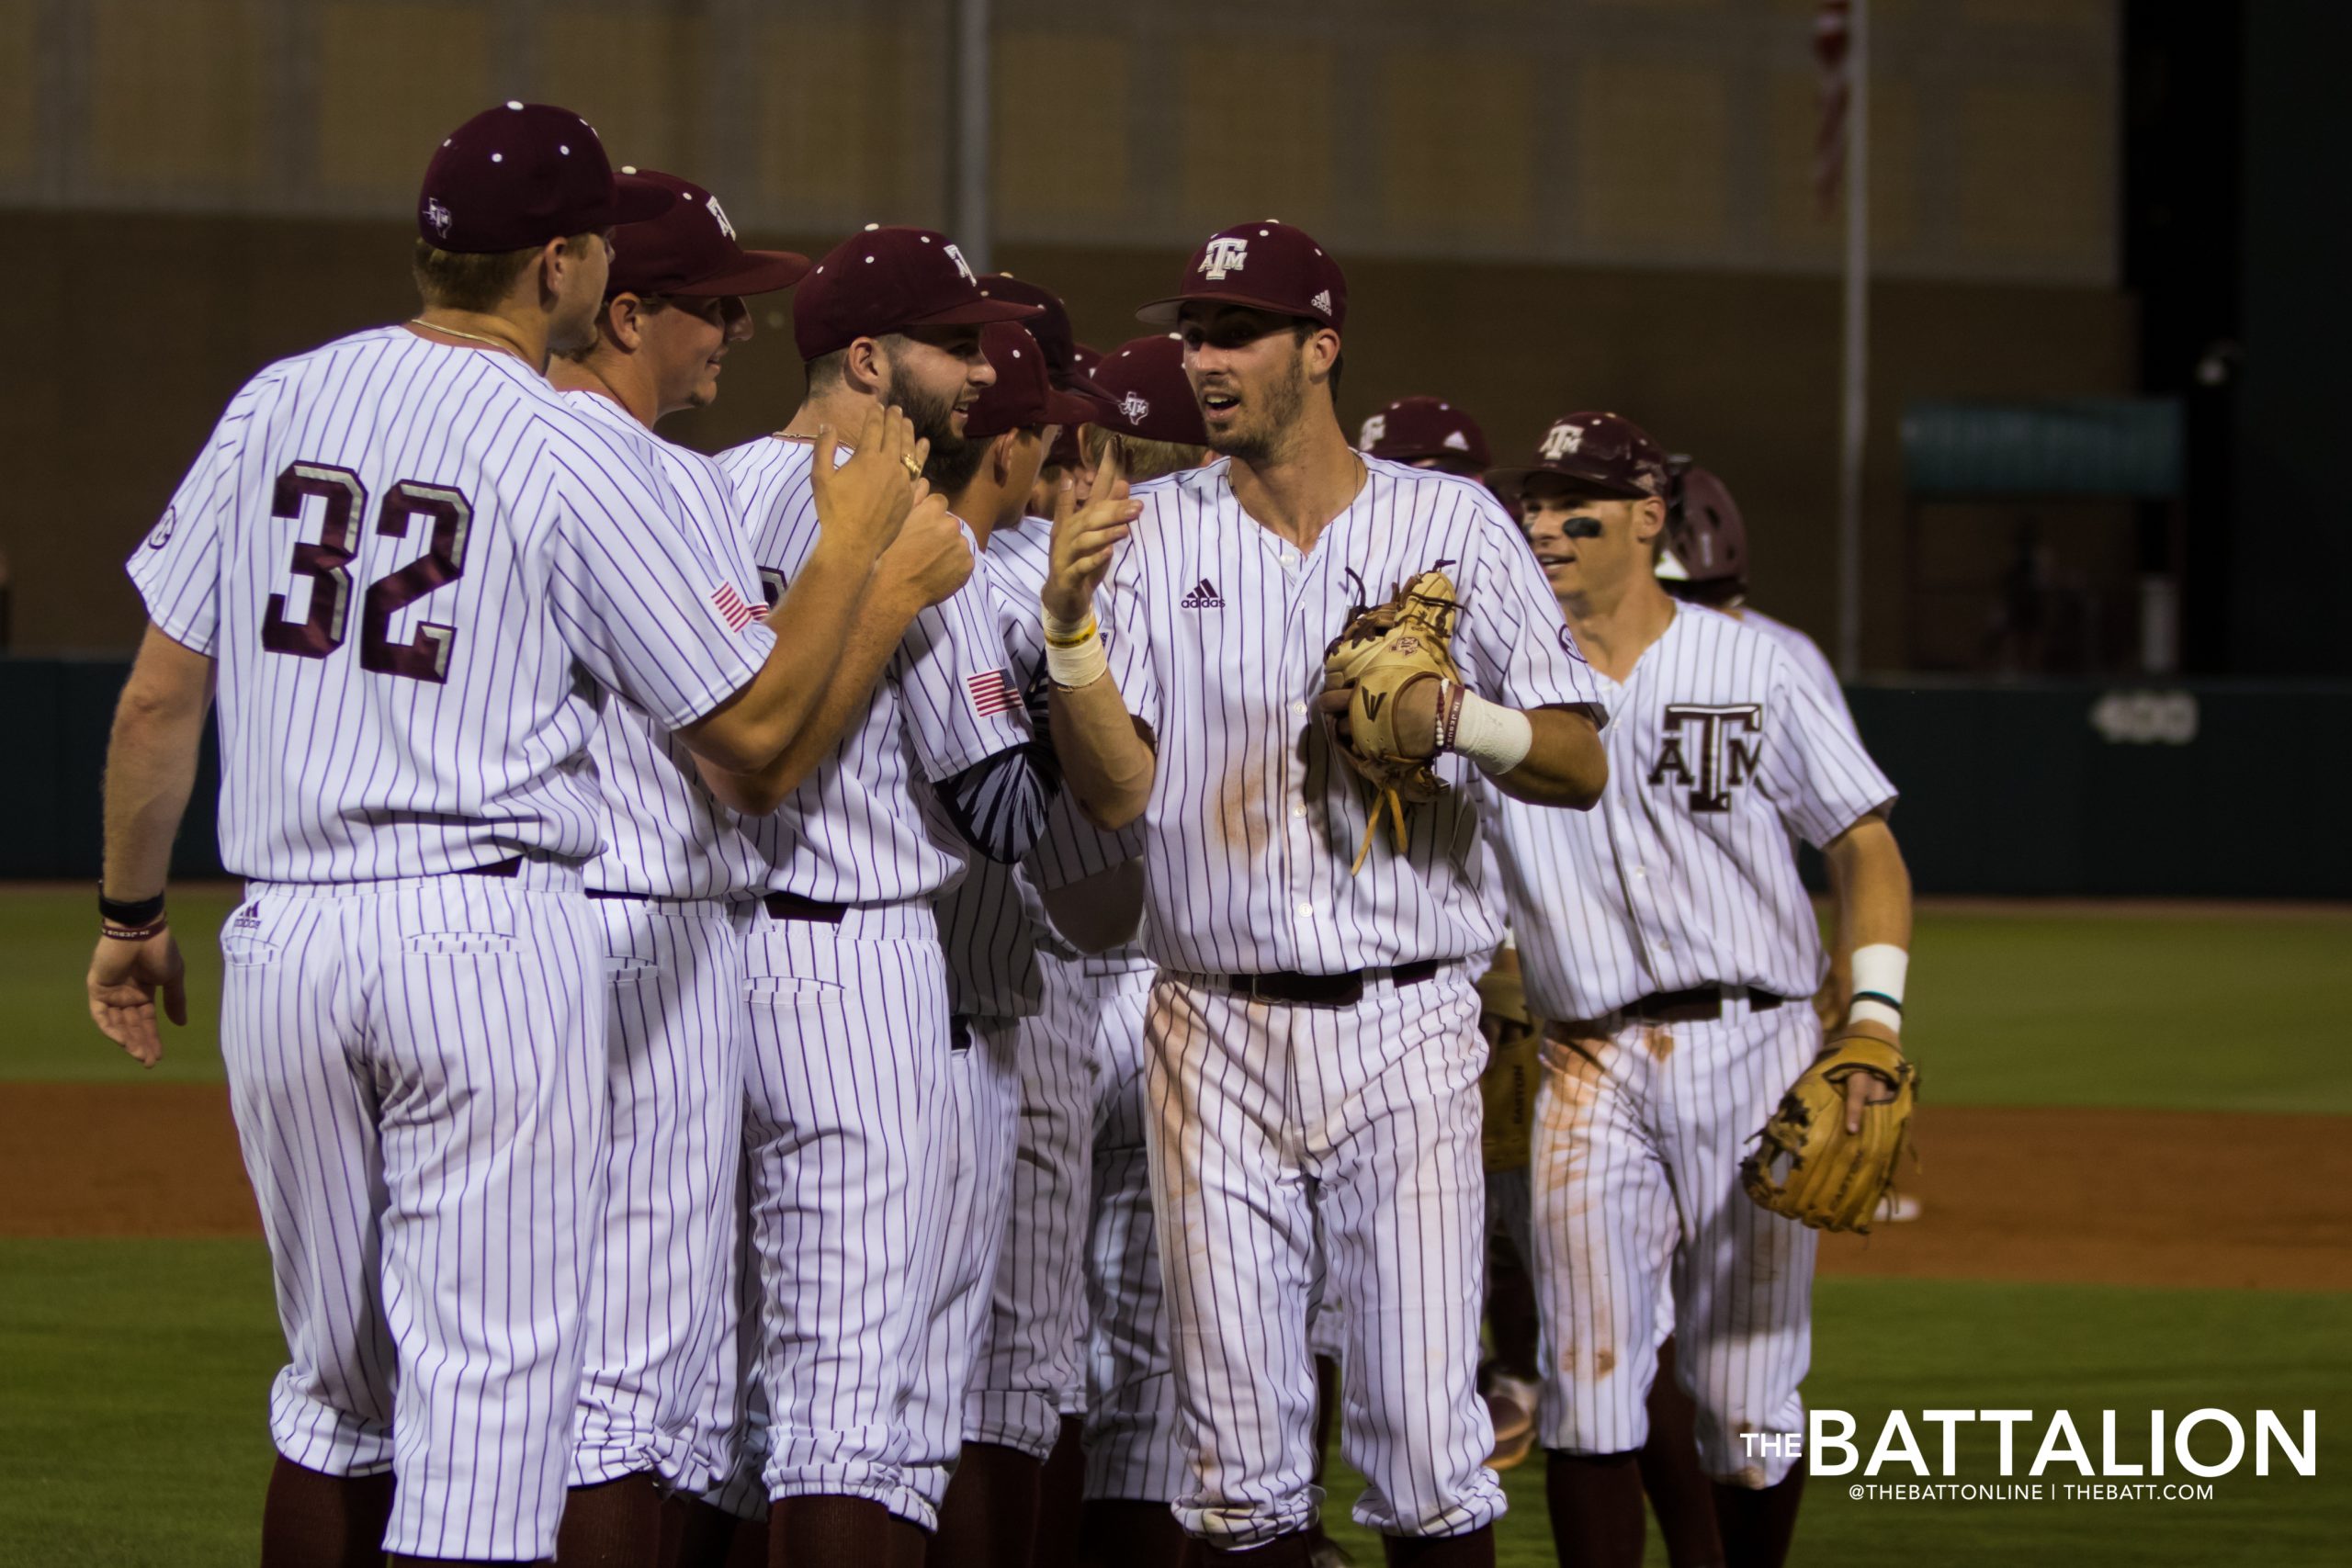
[(1265, 1118), (658, 1298), (418, 1073), (847, 1140), (1642, 1228), (1132, 1448), (1030, 1371), (984, 1103)]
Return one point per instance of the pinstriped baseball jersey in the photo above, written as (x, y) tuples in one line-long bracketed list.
[(1216, 629), (405, 555), (1802, 650), (1719, 747), (666, 836), (855, 831)]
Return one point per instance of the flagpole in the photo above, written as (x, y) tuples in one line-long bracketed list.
[(1854, 425)]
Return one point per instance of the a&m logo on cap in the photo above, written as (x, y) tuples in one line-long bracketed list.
[(1135, 407), (962, 265), (437, 215), (1375, 430), (718, 214), (1225, 256), (1561, 440)]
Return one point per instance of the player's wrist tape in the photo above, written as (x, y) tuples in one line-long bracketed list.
[(130, 911), (1074, 655), (1879, 970), (1066, 634), (1496, 738)]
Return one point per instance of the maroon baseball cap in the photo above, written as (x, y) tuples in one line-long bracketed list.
[(1050, 326), (1268, 267), (1023, 394), (689, 250), (1606, 454), (885, 279), (521, 174), (1150, 396), (1411, 429), (1706, 541)]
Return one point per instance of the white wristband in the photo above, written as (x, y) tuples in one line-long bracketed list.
[(1059, 631), (1496, 738), (1080, 665), (1880, 971)]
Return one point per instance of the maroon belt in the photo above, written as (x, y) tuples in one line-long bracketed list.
[(1345, 989), (1700, 1004), (793, 906)]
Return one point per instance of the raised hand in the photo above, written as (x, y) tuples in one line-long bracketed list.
[(1085, 537), (864, 502)]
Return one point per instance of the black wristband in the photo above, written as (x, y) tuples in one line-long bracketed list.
[(1874, 997), (130, 911)]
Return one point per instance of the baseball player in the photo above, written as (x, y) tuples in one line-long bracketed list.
[(1312, 1046), (1667, 936), (974, 1401), (408, 564), (674, 889), (1427, 432), (849, 1065)]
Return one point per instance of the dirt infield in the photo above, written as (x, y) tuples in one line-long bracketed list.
[(2104, 1197)]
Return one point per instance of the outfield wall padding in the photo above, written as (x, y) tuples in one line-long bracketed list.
[(2210, 789)]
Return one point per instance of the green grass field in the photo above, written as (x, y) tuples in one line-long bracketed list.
[(2161, 1010), (133, 1374)]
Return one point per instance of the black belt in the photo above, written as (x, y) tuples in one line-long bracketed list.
[(511, 866), (1288, 985), (1700, 1004), (650, 897), (793, 906)]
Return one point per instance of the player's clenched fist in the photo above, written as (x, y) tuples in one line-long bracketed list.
[(1084, 539), (865, 502), (928, 561)]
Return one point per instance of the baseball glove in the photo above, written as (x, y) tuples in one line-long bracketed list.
[(1832, 1179), (1384, 651), (1507, 1088)]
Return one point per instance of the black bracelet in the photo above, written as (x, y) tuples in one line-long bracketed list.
[(129, 912), (1874, 997)]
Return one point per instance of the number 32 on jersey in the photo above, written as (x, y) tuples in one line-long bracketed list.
[(327, 565)]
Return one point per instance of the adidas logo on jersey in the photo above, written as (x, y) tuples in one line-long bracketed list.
[(1204, 596)]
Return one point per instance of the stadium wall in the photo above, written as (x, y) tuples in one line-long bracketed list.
[(2059, 789), (147, 327)]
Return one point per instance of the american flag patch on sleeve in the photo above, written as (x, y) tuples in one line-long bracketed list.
[(991, 693), (733, 609)]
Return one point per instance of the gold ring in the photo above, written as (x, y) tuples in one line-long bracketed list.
[(914, 470)]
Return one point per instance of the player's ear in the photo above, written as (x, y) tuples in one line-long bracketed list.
[(1004, 453), (622, 322), (1650, 519), (866, 367)]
